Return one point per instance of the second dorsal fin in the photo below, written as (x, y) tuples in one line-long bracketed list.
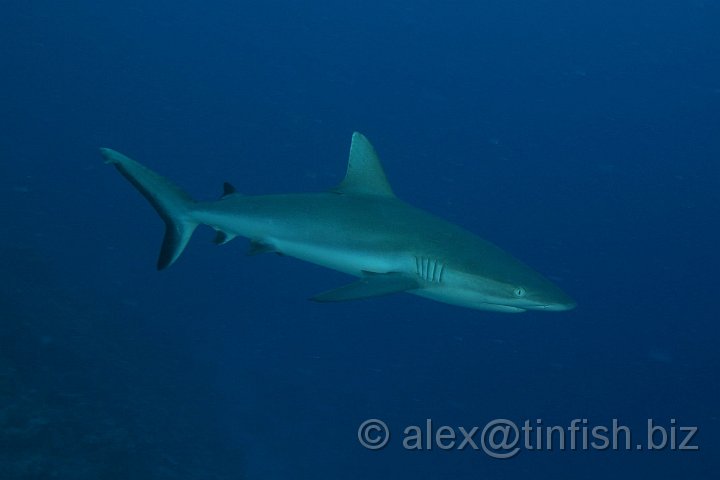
[(228, 189)]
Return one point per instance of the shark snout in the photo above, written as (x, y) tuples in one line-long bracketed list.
[(558, 301), (555, 307)]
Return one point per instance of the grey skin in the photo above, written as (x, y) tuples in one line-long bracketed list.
[(360, 228)]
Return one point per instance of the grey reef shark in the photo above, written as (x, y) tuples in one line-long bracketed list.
[(360, 228)]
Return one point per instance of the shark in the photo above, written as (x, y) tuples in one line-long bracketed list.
[(359, 227)]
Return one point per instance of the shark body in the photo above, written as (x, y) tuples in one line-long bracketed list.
[(360, 228)]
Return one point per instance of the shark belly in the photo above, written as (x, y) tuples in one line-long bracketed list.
[(353, 261)]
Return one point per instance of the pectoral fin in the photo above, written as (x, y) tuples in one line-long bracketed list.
[(370, 285)]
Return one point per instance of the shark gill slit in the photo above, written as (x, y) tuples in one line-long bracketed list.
[(429, 269)]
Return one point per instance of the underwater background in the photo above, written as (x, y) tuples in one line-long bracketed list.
[(580, 136)]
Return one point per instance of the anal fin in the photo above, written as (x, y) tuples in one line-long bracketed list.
[(370, 285), (258, 246)]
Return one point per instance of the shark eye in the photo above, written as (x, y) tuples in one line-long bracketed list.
[(519, 292)]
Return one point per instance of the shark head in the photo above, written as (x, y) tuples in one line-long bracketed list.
[(509, 295), (529, 291), (494, 281), (521, 295)]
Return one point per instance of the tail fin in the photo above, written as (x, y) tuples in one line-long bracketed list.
[(170, 201)]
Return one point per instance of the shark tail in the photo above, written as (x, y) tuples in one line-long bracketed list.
[(171, 202)]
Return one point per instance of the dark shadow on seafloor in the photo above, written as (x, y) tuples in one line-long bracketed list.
[(84, 394)]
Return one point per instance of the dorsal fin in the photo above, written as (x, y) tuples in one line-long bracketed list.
[(228, 189), (365, 175)]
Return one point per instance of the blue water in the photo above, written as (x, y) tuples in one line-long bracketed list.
[(582, 137)]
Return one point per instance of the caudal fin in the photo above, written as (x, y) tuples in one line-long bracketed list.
[(171, 202)]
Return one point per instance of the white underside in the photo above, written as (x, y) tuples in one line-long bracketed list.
[(357, 262), (352, 262)]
